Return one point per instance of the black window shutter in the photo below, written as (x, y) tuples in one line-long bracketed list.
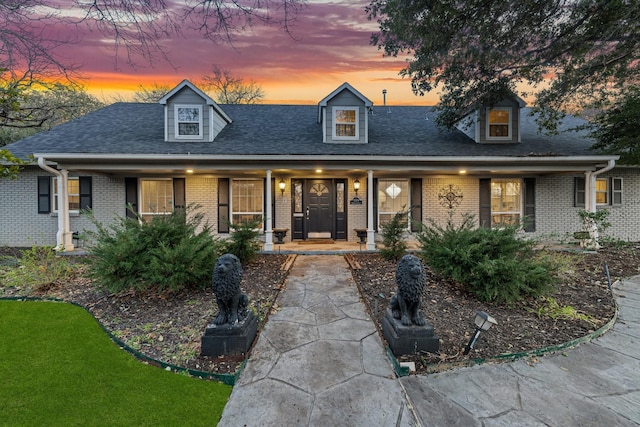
[(375, 204), (44, 194), (616, 191), (415, 218), (85, 192), (578, 192), (179, 198), (485, 202), (223, 205), (529, 204), (273, 202), (131, 196)]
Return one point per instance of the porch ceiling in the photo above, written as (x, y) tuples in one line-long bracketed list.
[(338, 166)]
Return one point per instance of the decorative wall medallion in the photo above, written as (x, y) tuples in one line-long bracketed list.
[(450, 197)]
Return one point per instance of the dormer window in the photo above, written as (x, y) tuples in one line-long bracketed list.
[(499, 123), (188, 121), (345, 123)]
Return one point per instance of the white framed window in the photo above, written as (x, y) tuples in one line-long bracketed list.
[(188, 121), (345, 123), (73, 193), (499, 123), (608, 191), (156, 197), (602, 191), (247, 201), (393, 197), (506, 201)]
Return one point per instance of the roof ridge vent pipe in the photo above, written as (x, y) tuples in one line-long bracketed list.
[(63, 232)]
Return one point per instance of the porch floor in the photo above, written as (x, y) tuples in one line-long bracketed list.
[(323, 246)]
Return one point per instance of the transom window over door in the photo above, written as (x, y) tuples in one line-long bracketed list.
[(345, 123), (499, 123), (188, 121), (393, 197), (246, 200), (506, 201), (156, 196)]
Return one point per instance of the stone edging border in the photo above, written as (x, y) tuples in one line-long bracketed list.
[(228, 379), (403, 371)]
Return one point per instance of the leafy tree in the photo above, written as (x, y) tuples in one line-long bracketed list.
[(571, 53), (150, 95), (9, 164), (616, 129), (230, 89)]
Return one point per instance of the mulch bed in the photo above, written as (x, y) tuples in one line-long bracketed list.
[(169, 327)]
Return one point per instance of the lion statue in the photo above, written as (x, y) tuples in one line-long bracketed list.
[(232, 303), (411, 278)]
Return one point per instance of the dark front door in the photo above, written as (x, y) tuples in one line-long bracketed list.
[(319, 212)]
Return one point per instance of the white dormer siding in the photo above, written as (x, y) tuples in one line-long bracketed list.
[(469, 126), (191, 115), (343, 116)]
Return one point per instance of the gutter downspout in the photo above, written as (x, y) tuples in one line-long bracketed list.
[(63, 236), (590, 200)]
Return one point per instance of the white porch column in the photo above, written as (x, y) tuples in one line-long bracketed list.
[(371, 244), (63, 210), (64, 242), (268, 231), (589, 191)]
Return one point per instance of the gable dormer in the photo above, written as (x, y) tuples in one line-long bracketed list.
[(190, 115), (494, 124), (343, 115)]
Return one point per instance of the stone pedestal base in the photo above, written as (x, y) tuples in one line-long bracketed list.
[(219, 340), (408, 339)]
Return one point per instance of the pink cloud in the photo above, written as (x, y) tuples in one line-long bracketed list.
[(329, 44)]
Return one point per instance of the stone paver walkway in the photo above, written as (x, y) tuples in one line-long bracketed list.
[(319, 360)]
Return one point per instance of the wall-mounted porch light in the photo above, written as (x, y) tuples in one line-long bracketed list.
[(356, 186), (483, 322), (282, 186)]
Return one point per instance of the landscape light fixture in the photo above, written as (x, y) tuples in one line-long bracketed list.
[(282, 186), (483, 322), (356, 186)]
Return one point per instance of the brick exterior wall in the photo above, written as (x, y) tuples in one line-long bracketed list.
[(556, 217)]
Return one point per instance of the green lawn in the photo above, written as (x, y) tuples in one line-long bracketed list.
[(59, 368)]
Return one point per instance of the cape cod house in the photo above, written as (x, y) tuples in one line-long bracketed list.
[(336, 170)]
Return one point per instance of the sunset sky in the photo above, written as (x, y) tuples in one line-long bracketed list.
[(330, 46)]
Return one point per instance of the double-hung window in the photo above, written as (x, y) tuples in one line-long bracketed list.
[(188, 121), (156, 196), (608, 191), (345, 123), (73, 193), (247, 201), (499, 123), (506, 201), (393, 197)]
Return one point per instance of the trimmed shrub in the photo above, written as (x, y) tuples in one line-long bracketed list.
[(393, 240), (169, 252), (243, 242), (493, 263)]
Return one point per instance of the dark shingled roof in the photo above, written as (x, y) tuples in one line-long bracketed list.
[(134, 128)]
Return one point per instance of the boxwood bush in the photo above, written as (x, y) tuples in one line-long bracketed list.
[(495, 264), (168, 252)]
